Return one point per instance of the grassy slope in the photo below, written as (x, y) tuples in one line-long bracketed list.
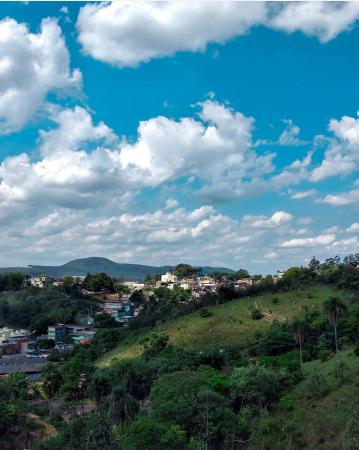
[(231, 323), (317, 423)]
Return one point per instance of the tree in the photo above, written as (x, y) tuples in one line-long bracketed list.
[(121, 289), (137, 297), (298, 328), (104, 320), (257, 385), (98, 282), (185, 270), (314, 263), (334, 307), (51, 381), (241, 273), (122, 405)]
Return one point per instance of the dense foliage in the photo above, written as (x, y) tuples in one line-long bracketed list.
[(36, 308)]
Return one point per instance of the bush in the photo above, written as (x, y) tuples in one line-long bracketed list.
[(275, 300), (256, 314), (356, 349)]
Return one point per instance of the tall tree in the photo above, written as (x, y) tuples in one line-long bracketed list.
[(334, 307)]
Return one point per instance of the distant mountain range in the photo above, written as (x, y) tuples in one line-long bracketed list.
[(81, 267)]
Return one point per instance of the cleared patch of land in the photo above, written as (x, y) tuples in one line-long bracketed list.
[(231, 323)]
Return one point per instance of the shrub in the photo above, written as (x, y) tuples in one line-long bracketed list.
[(275, 300), (256, 314), (356, 349)]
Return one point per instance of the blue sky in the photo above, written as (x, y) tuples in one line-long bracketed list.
[(130, 134)]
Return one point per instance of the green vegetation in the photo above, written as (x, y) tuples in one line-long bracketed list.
[(36, 308), (216, 376)]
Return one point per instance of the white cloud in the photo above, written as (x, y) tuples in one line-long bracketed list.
[(342, 155), (354, 228), (290, 135), (171, 203), (127, 33), (346, 245), (277, 219), (74, 128), (322, 239), (303, 194), (324, 20), (333, 229), (31, 66), (343, 199), (305, 220), (223, 156)]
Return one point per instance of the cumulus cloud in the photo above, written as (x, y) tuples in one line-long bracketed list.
[(342, 155), (322, 239), (31, 66), (278, 218), (114, 32), (324, 20)]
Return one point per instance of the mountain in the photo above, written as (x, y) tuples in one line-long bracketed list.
[(80, 267)]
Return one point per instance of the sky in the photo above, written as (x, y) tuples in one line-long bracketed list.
[(147, 132)]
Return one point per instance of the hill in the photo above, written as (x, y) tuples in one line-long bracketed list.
[(80, 267), (231, 323)]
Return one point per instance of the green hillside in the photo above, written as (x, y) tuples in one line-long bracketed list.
[(231, 323)]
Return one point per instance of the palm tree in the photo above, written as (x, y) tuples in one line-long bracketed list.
[(52, 380), (334, 307), (298, 329), (122, 405)]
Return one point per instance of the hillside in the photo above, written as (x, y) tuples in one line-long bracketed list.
[(231, 323), (80, 267)]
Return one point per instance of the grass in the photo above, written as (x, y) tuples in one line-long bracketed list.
[(230, 324)]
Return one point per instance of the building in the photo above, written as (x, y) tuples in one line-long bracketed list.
[(168, 277), (79, 334), (41, 281), (57, 332)]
